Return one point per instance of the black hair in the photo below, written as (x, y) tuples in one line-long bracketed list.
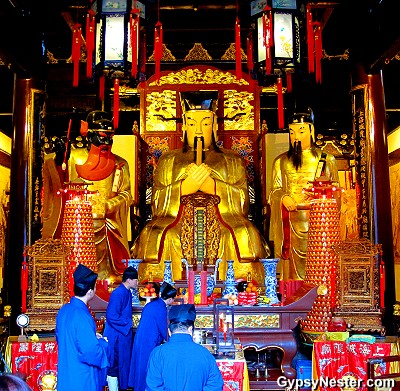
[(129, 273), (12, 382), (180, 326), (80, 289)]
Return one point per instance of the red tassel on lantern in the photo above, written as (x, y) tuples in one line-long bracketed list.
[(135, 26), (289, 84), (310, 39), (249, 49), (318, 52), (158, 42), (76, 52), (268, 39), (90, 28), (116, 103), (238, 50), (24, 282), (281, 121)]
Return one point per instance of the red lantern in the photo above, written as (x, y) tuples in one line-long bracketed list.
[(116, 103), (158, 42)]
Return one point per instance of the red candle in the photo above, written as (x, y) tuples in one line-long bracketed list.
[(191, 287), (203, 285)]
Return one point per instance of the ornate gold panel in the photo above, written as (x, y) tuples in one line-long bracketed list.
[(161, 106)]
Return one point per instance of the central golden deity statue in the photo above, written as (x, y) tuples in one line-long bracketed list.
[(201, 166)]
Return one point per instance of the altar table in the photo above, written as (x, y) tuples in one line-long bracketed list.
[(37, 359), (338, 360)]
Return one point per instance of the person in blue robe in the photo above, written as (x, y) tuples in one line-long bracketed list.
[(151, 332), (82, 353), (181, 364), (118, 330)]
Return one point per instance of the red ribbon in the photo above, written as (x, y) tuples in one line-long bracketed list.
[(249, 49), (318, 52), (158, 42), (268, 39), (281, 121), (135, 26), (310, 39), (24, 282), (116, 103), (238, 50), (90, 28), (76, 52), (289, 84)]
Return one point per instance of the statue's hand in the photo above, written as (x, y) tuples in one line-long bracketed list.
[(289, 204), (196, 176)]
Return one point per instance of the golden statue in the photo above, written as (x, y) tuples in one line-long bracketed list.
[(291, 173), (108, 177), (201, 166)]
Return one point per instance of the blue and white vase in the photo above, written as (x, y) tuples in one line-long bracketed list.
[(270, 280), (135, 293), (230, 282), (168, 272), (210, 284)]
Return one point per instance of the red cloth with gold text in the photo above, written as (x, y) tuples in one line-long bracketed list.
[(338, 359), (35, 359)]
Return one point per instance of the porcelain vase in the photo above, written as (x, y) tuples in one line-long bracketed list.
[(270, 280)]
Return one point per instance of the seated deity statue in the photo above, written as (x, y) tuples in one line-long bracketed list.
[(108, 179), (219, 172), (292, 172)]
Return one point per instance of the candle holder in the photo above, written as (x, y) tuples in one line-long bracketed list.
[(224, 330)]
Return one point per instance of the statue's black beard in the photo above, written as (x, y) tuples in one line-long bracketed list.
[(296, 156), (202, 147)]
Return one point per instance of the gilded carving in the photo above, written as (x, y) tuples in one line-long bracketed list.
[(230, 54), (198, 53), (166, 55), (269, 321), (161, 106), (209, 232), (195, 76), (238, 106)]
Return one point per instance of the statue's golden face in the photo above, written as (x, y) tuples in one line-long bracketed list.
[(199, 123), (300, 132)]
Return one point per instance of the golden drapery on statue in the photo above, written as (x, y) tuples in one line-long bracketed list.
[(220, 172)]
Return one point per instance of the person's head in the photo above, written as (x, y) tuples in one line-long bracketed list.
[(98, 128), (199, 118), (167, 293), (84, 282), (130, 277), (301, 133), (182, 318), (12, 382)]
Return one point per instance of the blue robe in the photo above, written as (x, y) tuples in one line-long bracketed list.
[(151, 332), (182, 365), (118, 330), (82, 357)]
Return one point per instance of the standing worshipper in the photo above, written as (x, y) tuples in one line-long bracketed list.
[(151, 332), (82, 353), (118, 330), (169, 367)]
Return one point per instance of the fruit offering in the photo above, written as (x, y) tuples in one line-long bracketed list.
[(232, 299), (149, 290), (249, 296)]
